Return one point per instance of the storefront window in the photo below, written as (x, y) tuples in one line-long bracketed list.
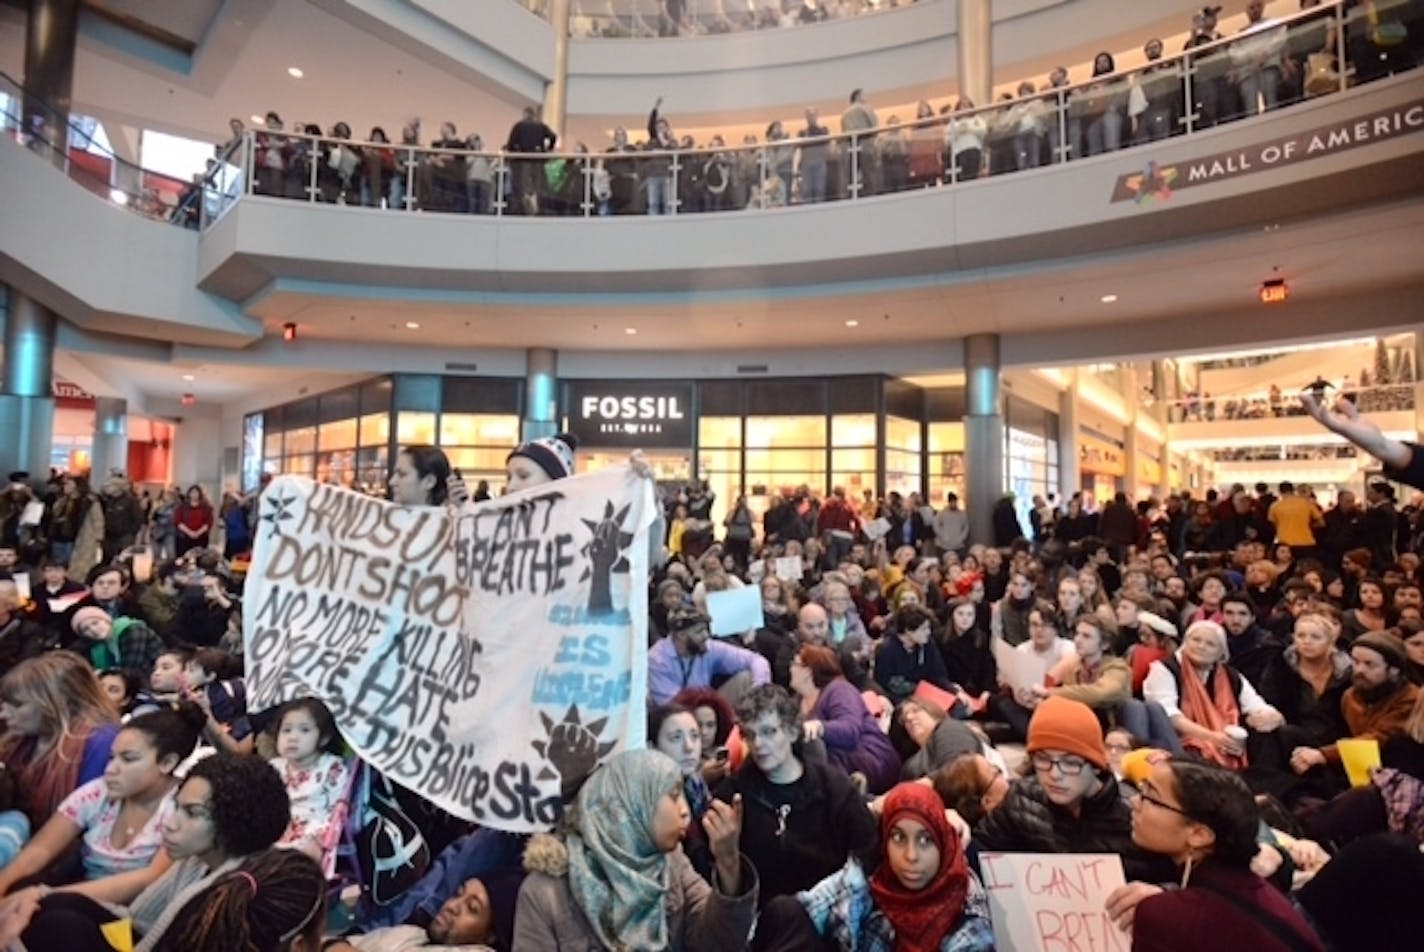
[(719, 461), (372, 470), (902, 455), (853, 453), (1028, 469), (946, 463), (339, 435), (416, 428), (375, 429), (479, 429), (301, 441)]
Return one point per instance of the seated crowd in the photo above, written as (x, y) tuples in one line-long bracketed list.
[(831, 777)]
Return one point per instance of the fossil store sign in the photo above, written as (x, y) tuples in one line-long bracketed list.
[(646, 415)]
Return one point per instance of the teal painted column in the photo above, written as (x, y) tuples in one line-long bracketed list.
[(983, 433), (541, 401), (27, 386), (110, 450)]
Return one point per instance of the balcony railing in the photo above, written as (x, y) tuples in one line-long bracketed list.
[(1317, 52), (638, 19), (1278, 404)]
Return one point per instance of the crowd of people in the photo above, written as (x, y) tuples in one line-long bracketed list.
[(807, 162), (622, 18), (831, 777)]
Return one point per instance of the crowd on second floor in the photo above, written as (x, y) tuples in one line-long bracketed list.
[(874, 151)]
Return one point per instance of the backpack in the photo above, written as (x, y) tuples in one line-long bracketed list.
[(385, 846)]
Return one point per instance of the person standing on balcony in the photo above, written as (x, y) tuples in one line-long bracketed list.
[(1257, 62), (529, 135), (813, 158), (860, 118), (657, 170), (1207, 89)]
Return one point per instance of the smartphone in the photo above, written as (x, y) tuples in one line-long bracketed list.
[(720, 755)]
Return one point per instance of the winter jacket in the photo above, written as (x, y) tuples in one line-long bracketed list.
[(1319, 718), (1109, 688), (547, 919), (799, 833), (853, 738), (1028, 822), (1221, 908), (1375, 717), (900, 669)]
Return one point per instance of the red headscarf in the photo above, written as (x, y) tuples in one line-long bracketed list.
[(924, 917)]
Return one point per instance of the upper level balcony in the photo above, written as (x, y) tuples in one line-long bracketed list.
[(928, 231)]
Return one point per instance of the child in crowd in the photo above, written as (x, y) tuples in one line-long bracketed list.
[(211, 671), (169, 678), (315, 776), (125, 688)]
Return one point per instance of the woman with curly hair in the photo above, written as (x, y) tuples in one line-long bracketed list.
[(228, 808), (60, 726), (275, 901)]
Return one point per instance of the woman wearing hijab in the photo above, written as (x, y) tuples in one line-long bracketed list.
[(621, 881), (922, 897)]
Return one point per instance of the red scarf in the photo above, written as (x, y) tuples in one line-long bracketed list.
[(924, 917), (1215, 711)]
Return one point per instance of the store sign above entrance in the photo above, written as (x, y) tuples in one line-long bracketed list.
[(1157, 181), (641, 416)]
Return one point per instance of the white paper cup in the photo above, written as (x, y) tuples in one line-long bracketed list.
[(1236, 733)]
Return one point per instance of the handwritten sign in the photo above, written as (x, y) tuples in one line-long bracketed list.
[(877, 528), (789, 568), (735, 610), (1053, 902), (1011, 667), (487, 658)]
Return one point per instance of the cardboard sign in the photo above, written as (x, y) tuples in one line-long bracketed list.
[(877, 528), (484, 657), (735, 610), (1053, 902), (1012, 670), (789, 568)]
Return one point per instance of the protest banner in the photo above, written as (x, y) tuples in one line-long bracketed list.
[(487, 658), (1053, 902)]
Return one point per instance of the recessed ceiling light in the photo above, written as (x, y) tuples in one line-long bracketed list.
[(413, 325), (852, 323), (295, 72), (258, 118), (187, 376), (630, 330), (1109, 298)]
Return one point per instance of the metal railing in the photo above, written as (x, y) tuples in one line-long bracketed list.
[(1315, 53), (1327, 48), (1266, 404), (640, 19)]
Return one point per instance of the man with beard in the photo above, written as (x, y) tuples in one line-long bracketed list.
[(688, 658), (1378, 703), (1251, 647), (479, 914)]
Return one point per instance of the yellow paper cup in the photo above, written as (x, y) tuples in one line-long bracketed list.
[(1360, 756)]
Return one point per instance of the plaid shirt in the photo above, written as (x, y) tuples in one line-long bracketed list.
[(841, 907)]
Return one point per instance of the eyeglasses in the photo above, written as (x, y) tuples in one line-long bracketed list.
[(1068, 766), (1144, 797)]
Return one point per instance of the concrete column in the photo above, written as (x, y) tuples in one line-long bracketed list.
[(1132, 442), (556, 94), (51, 35), (1070, 477), (1419, 381), (127, 143), (976, 51), (27, 386), (541, 402), (983, 433), (110, 450)]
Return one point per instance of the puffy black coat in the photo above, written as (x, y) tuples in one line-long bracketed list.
[(1027, 822)]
